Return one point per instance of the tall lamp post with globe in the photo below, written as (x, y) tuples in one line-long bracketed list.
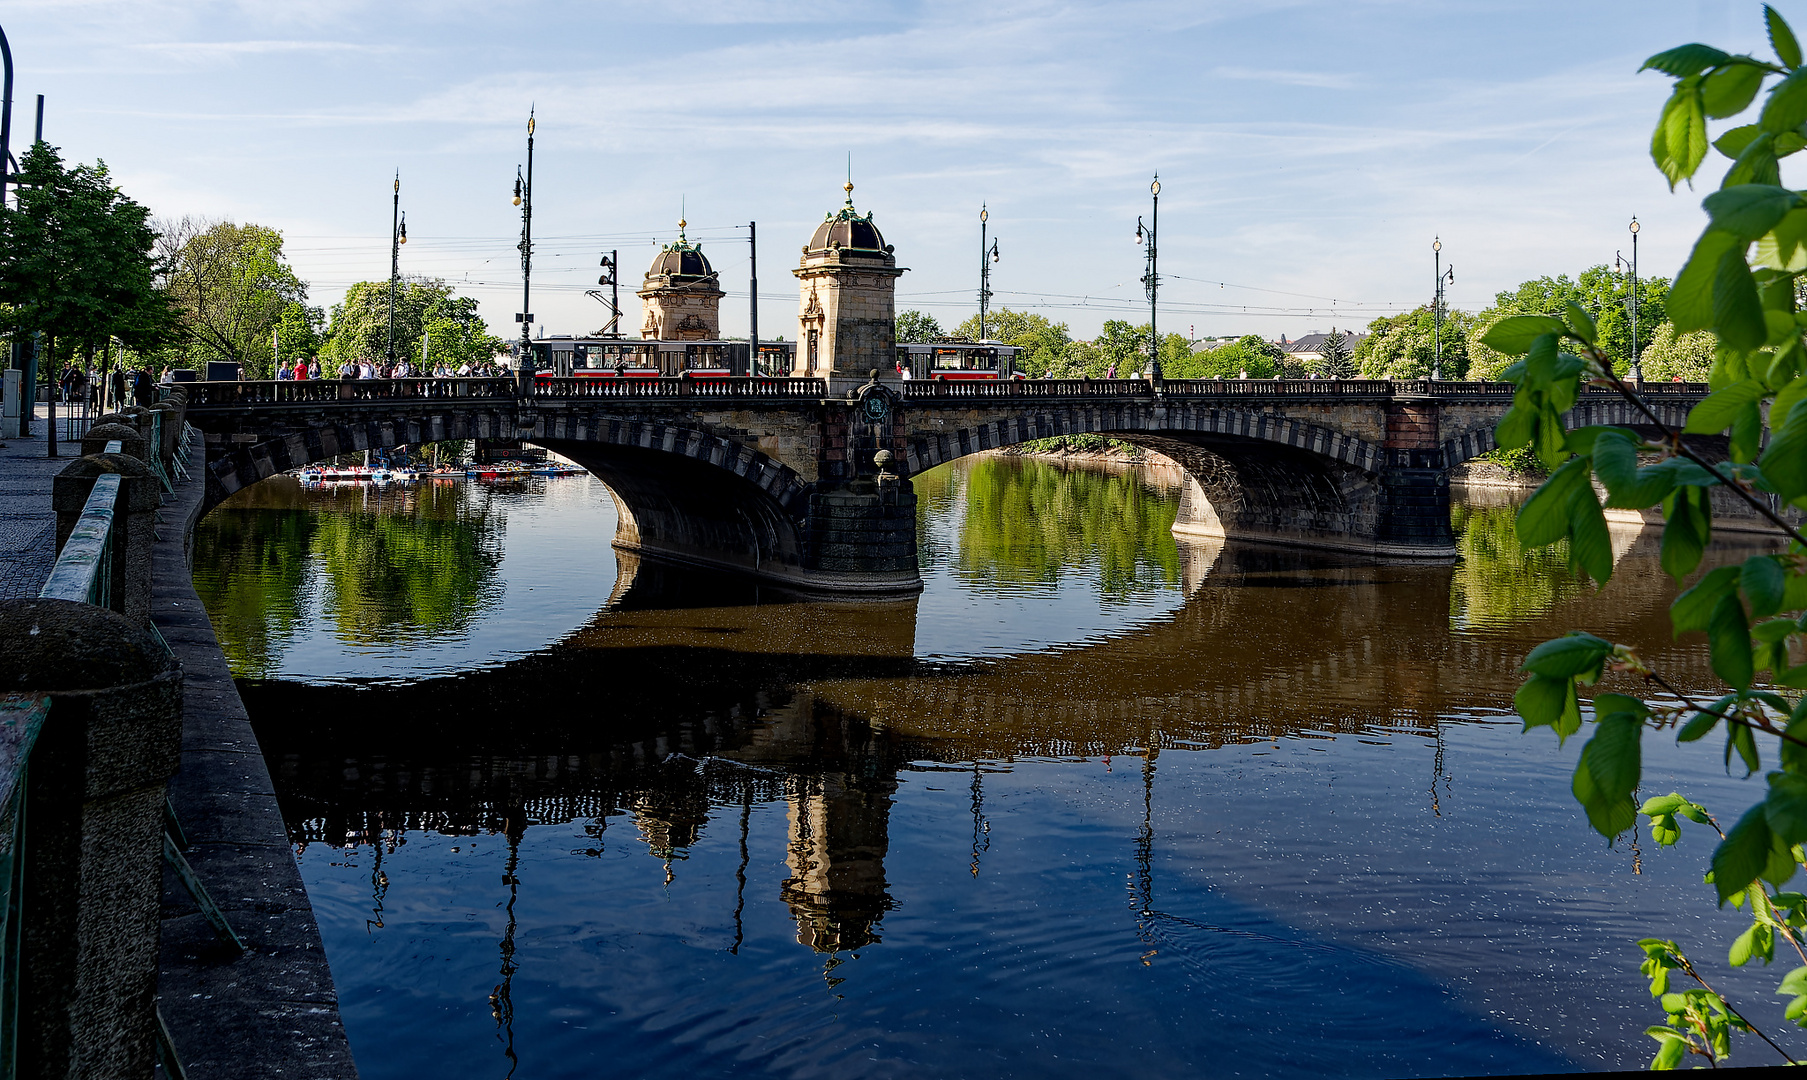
[(1437, 308), (1151, 280), (523, 198)]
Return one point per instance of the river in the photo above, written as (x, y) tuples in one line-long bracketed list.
[(1099, 802)]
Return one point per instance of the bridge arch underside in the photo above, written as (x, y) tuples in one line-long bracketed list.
[(1252, 476), (683, 495), (677, 508)]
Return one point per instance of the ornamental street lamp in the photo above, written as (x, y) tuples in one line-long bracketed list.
[(1151, 281), (398, 235), (1637, 364), (523, 198), (986, 258), (1443, 276)]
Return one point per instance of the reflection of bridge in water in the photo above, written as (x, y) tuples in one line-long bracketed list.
[(779, 478), (674, 702)]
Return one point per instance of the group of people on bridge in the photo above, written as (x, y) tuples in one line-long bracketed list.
[(302, 370)]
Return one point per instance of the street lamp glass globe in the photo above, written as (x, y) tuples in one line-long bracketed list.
[(1155, 187), (517, 200), (1634, 226), (1436, 245), (983, 214)]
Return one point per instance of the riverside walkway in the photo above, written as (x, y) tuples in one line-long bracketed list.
[(272, 1010)]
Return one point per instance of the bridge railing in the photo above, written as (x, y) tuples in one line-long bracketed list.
[(328, 391), (985, 388), (739, 386)]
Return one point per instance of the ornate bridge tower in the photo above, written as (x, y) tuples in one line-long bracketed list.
[(847, 310), (682, 295)]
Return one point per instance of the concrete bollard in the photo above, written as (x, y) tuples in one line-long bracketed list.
[(102, 433), (135, 518), (93, 863)]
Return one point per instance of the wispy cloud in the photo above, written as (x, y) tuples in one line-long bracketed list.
[(1326, 80), (214, 51)]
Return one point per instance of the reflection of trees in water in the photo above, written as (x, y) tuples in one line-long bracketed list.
[(409, 569), (1029, 521), (251, 583), (404, 565), (1499, 581)]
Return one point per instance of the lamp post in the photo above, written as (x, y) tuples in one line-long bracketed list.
[(1637, 365), (6, 115), (986, 258), (1437, 308), (1151, 280), (523, 198), (753, 298), (398, 235)]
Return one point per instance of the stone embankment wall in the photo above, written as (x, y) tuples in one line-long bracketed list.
[(144, 716)]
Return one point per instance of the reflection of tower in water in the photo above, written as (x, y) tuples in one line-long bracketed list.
[(839, 832)]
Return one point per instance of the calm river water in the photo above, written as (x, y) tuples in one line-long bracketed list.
[(1099, 802)]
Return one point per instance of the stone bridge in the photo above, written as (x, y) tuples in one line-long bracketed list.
[(779, 478)]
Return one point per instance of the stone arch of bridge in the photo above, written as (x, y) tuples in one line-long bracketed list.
[(1250, 474), (681, 493), (1477, 439)]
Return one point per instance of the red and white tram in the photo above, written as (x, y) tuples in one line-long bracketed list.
[(959, 360)]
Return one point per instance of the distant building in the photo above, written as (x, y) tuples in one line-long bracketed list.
[(1311, 346), (682, 295)]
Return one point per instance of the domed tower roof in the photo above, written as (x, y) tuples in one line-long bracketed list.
[(848, 230), (680, 263)]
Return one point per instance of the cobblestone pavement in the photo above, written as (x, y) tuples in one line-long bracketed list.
[(27, 525)]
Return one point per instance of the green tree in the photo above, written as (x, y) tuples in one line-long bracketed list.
[(359, 329), (76, 261), (1405, 346), (1252, 353), (456, 335), (1336, 361), (914, 327), (1688, 357), (1741, 282), (1043, 342), (232, 286), (1604, 293), (299, 332)]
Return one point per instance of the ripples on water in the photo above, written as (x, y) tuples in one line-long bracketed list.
[(1099, 802)]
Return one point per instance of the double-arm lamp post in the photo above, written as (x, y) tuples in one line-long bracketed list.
[(1637, 364), (523, 198), (1151, 280), (1437, 307), (398, 235), (986, 258)]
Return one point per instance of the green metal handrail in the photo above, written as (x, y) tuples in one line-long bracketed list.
[(21, 718)]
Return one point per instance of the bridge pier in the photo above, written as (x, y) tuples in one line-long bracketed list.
[(1414, 483)]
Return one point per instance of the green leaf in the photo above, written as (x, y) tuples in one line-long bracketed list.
[(1732, 143), (1582, 324), (1697, 727), (1785, 807), (1544, 519), (1764, 583), (1608, 704), (1690, 302), (1540, 702), (1680, 142), (1786, 108), (1515, 333), (1611, 764), (1685, 60), (1785, 460), (1719, 409), (1749, 210), (1729, 91), (1773, 631), (1686, 532), (1568, 656), (1785, 247), (1662, 804), (1737, 309), (1515, 428), (1781, 39), (1757, 164), (1743, 855), (1590, 545), (1729, 643), (1694, 608)]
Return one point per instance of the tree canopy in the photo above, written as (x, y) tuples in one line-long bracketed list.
[(77, 258), (1604, 293), (1405, 346), (359, 329), (233, 288), (915, 327)]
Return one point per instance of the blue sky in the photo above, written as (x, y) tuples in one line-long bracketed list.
[(1308, 151)]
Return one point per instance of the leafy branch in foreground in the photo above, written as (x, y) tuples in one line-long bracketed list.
[(1741, 282)]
